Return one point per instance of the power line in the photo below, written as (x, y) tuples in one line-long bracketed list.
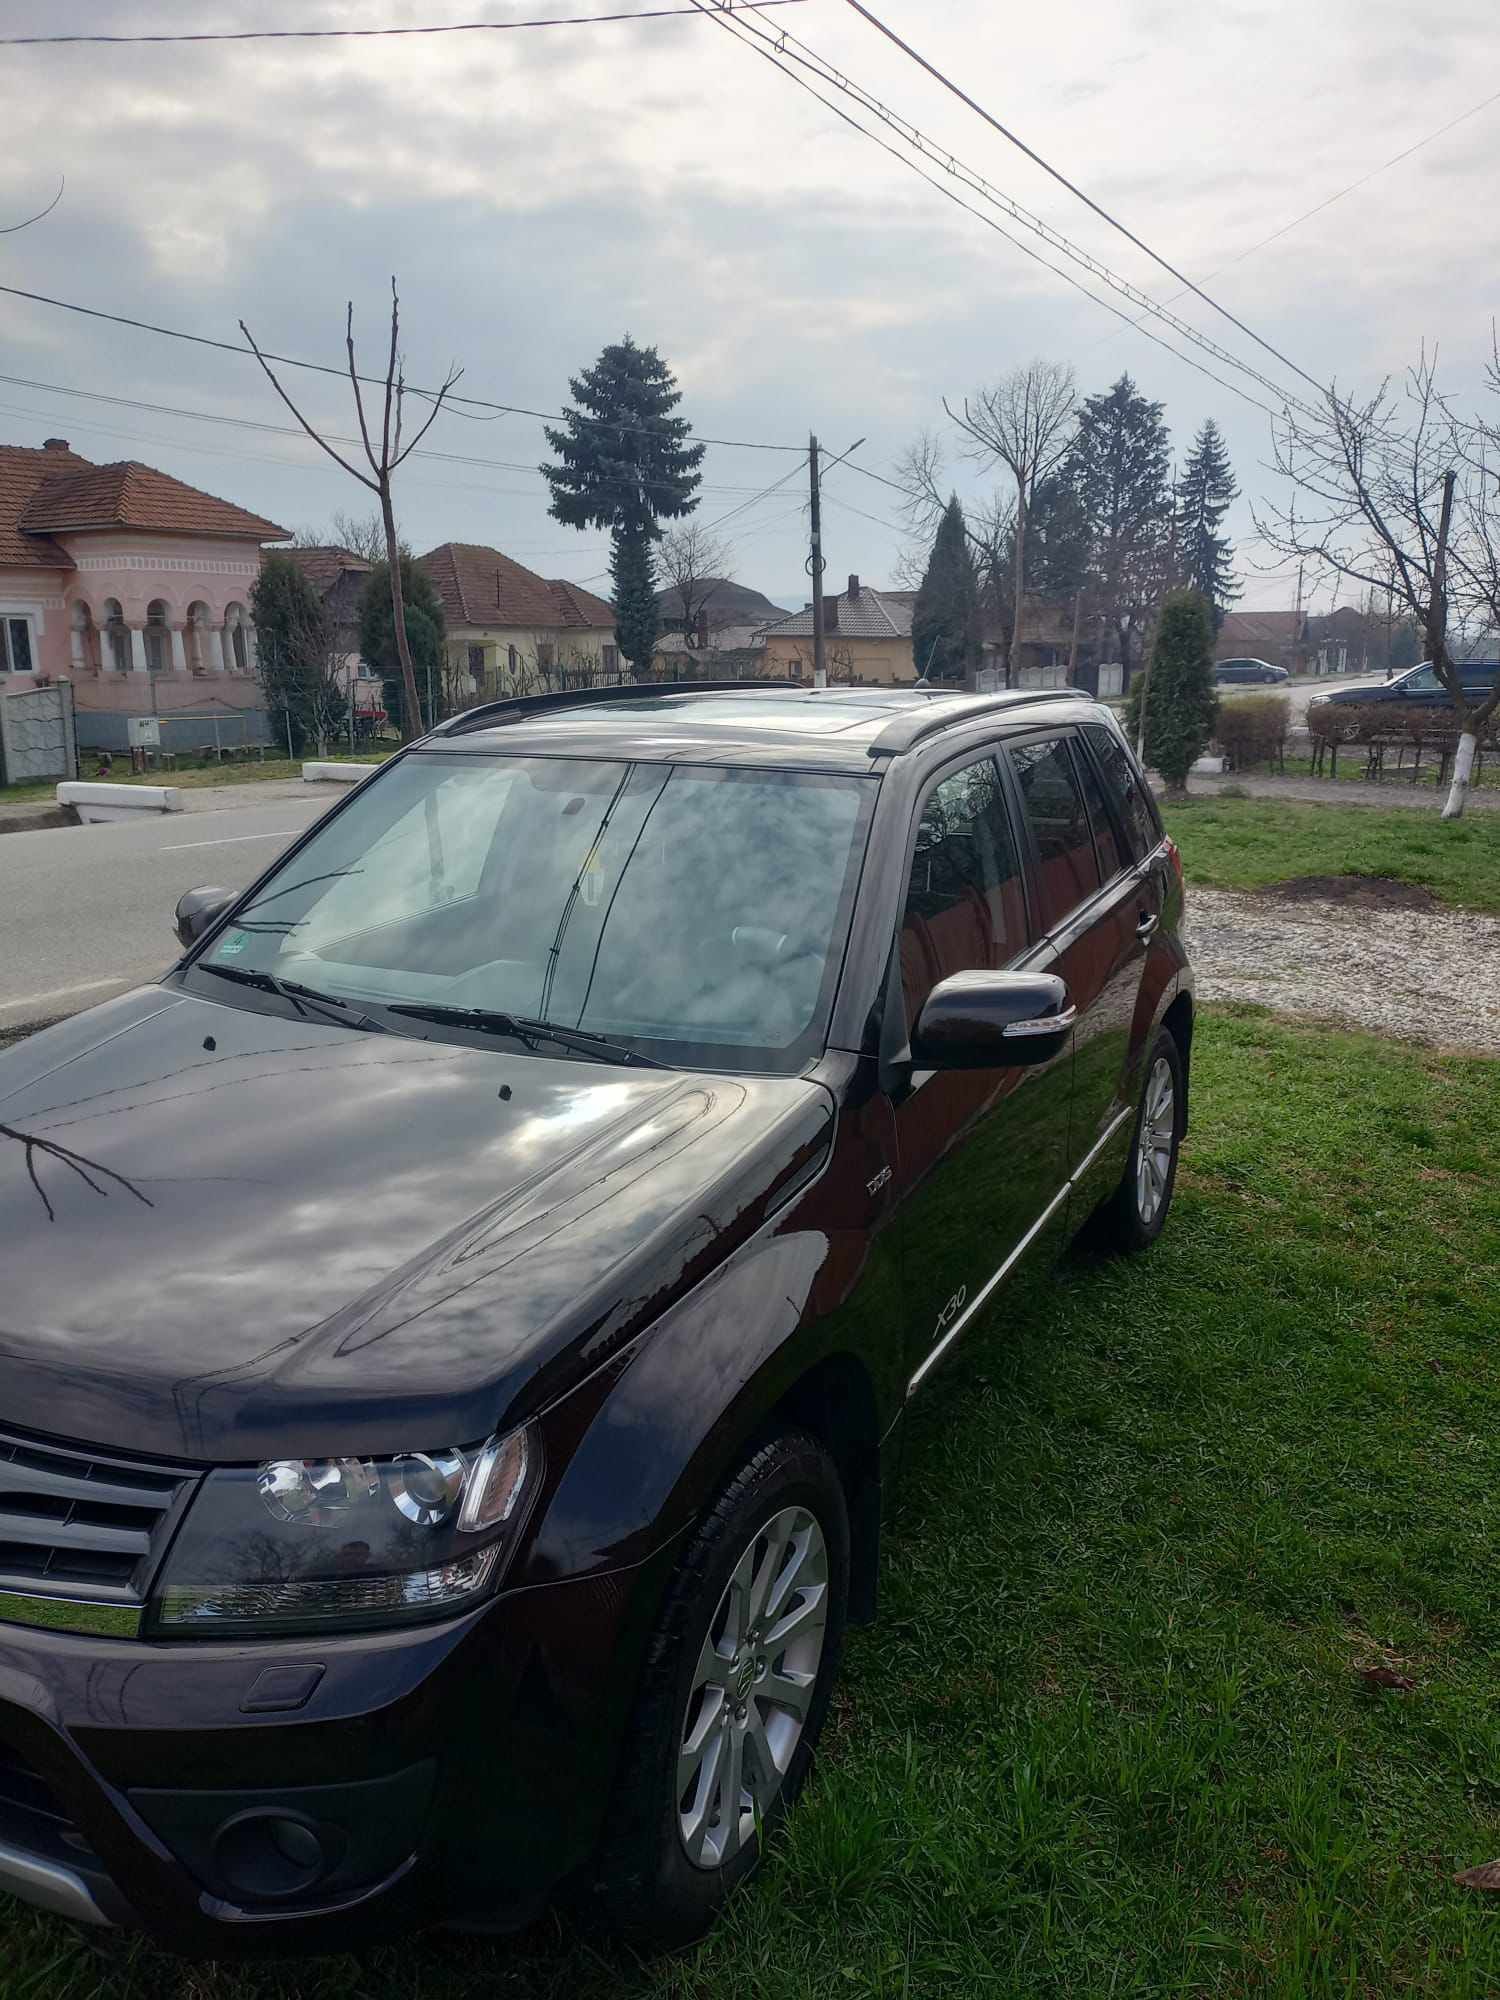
[(370, 34), (342, 374), (1072, 187), (763, 45)]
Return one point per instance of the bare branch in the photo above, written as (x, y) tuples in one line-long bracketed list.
[(322, 443), (450, 381), (14, 228)]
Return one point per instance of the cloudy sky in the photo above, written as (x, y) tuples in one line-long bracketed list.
[(539, 193)]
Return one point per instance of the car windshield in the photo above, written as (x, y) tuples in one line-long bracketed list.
[(697, 914)]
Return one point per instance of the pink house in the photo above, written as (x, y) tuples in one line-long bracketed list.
[(135, 588)]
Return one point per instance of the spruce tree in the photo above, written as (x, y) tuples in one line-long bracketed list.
[(945, 618), (625, 463), (1180, 699), (1204, 495), (632, 569), (426, 629), (1119, 465)]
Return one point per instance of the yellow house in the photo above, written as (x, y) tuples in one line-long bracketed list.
[(512, 631), (866, 639)]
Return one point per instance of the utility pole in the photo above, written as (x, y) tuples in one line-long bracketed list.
[(815, 565)]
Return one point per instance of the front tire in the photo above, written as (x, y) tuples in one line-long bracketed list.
[(734, 1694)]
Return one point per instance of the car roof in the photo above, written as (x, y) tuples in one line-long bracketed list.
[(804, 728)]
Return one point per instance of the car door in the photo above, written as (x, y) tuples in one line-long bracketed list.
[(981, 1154), (1100, 911)]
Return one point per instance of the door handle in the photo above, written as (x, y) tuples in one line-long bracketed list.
[(1147, 926)]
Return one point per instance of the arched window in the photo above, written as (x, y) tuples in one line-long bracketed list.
[(116, 637), (238, 656), (85, 654), (197, 637), (158, 637)]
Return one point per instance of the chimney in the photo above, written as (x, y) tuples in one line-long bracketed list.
[(853, 589), (54, 444)]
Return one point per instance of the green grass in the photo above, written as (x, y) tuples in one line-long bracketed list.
[(1248, 843), (188, 776), (1109, 1736)]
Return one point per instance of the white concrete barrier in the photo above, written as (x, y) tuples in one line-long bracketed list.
[(335, 774), (1210, 767), (94, 802)]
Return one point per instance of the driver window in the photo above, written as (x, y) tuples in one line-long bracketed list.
[(965, 903)]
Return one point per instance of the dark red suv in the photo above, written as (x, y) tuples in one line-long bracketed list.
[(457, 1326)]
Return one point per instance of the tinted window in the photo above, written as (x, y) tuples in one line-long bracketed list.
[(1068, 872), (1422, 680), (1106, 839), (1127, 788), (965, 903)]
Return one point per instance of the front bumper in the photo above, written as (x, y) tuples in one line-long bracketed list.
[(454, 1772)]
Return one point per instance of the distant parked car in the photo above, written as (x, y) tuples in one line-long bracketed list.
[(1421, 688), (1229, 671)]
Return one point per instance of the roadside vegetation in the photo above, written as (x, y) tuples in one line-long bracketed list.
[(1251, 843), (1166, 1528)]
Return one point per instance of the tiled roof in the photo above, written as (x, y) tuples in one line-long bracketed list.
[(323, 566), (721, 639), (482, 588), (871, 615), (1258, 634), (130, 495), (22, 470)]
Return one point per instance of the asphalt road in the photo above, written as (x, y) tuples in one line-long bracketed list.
[(1300, 693), (86, 912)]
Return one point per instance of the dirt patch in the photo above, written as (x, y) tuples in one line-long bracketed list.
[(1359, 892)]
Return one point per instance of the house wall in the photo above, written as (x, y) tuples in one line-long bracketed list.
[(569, 644), (882, 662), (92, 625)]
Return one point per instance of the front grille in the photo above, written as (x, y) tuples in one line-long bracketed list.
[(80, 1524)]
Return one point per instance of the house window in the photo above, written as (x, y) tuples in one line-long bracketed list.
[(611, 659), (546, 653), (158, 637), (476, 662), (512, 661), (15, 646)]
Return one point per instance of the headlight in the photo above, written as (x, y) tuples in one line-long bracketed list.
[(337, 1544)]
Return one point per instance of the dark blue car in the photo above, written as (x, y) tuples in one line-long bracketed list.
[(1420, 687)]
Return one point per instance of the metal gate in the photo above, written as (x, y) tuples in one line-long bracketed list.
[(37, 736)]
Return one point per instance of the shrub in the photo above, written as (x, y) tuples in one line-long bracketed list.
[(1252, 729)]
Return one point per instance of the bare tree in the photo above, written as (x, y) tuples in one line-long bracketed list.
[(1025, 423), (1399, 493), (693, 562), (922, 469), (383, 462), (363, 535)]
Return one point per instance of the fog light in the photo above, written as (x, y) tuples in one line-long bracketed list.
[(265, 1855)]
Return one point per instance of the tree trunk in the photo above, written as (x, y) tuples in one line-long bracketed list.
[(1012, 678), (1463, 775), (413, 718), (1073, 649)]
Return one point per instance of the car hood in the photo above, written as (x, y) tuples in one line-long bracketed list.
[(227, 1234)]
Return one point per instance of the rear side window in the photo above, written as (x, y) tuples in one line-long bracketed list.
[(965, 901), (1128, 789), (1106, 837), (1067, 872)]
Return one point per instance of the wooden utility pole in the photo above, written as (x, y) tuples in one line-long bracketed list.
[(815, 565)]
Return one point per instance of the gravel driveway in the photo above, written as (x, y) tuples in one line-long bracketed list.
[(1426, 975)]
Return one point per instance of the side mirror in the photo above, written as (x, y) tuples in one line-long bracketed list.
[(993, 1020), (198, 910)]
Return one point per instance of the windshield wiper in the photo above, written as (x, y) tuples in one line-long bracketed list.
[(524, 1028), (291, 990)]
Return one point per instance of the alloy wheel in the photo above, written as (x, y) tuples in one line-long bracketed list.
[(1158, 1137), (753, 1686)]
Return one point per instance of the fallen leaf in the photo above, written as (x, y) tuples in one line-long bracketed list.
[(1386, 1677), (1487, 1877)]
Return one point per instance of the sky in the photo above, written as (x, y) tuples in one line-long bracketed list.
[(542, 192)]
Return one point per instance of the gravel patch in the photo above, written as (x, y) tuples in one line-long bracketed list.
[(1428, 976)]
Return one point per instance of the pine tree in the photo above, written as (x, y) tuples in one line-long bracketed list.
[(295, 649), (1204, 494), (1180, 699), (945, 618), (625, 464), (632, 568), (426, 629), (1119, 464)]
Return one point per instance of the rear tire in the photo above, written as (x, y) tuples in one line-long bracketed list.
[(733, 1696), (1136, 1213)]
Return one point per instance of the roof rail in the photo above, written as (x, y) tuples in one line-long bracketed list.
[(520, 707), (909, 730)]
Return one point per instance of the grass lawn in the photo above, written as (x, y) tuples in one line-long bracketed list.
[(189, 778), (1110, 1737), (1248, 843)]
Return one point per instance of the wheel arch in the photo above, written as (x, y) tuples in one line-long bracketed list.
[(1179, 1021), (834, 1402)]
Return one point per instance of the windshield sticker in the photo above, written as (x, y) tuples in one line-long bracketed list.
[(234, 944)]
